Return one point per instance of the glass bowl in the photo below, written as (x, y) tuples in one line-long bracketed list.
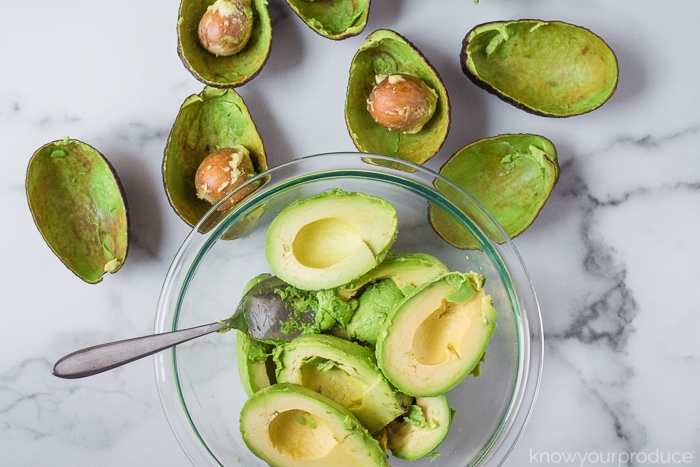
[(198, 381)]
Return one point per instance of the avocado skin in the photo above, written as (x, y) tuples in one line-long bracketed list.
[(511, 100), (370, 137), (310, 12), (68, 200), (511, 175), (207, 121), (235, 70)]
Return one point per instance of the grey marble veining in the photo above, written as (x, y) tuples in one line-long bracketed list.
[(613, 255)]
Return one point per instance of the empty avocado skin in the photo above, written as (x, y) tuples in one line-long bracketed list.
[(386, 52), (79, 206), (552, 69), (213, 119), (234, 70), (338, 19), (511, 175)]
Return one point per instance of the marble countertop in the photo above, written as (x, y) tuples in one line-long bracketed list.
[(613, 255)]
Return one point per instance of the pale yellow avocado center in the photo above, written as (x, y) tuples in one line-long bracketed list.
[(300, 435), (440, 336), (325, 242)]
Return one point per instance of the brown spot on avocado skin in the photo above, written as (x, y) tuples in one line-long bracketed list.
[(584, 51)]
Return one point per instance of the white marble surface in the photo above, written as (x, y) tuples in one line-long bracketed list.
[(613, 255)]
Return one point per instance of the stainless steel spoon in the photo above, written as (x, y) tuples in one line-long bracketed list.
[(259, 313)]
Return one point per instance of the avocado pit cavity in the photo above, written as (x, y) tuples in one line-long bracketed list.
[(300, 435), (438, 338), (226, 27), (325, 242), (401, 102)]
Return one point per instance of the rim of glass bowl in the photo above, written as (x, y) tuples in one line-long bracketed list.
[(334, 165)]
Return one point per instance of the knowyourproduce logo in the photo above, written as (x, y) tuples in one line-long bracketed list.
[(582, 459)]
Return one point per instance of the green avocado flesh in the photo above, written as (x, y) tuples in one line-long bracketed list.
[(211, 120), (329, 239), (512, 176), (375, 304), (334, 19), (79, 207), (437, 335), (253, 359), (345, 372), (418, 433), (233, 70), (407, 270), (552, 69), (288, 425), (385, 52)]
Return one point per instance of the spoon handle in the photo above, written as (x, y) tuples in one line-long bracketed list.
[(99, 358)]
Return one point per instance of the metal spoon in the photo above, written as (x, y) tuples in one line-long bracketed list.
[(259, 313)]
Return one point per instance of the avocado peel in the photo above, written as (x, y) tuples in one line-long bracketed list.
[(223, 71), (213, 119), (79, 206), (333, 19), (511, 175), (384, 53), (548, 68)]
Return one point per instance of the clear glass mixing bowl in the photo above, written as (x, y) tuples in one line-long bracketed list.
[(198, 381)]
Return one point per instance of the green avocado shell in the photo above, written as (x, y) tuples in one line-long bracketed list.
[(233, 70), (213, 119), (511, 175), (553, 69), (386, 52), (79, 206), (335, 19)]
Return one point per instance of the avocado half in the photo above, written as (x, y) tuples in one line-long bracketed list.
[(386, 52), (329, 239), (437, 335), (511, 175), (407, 270), (219, 71), (288, 425), (548, 68), (213, 119), (344, 371), (418, 433), (333, 19), (79, 206)]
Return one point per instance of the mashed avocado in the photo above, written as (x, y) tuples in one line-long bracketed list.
[(328, 308)]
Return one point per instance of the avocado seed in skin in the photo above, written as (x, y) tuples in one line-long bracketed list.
[(402, 103), (226, 27), (221, 172)]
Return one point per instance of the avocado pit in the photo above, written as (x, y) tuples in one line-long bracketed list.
[(401, 102), (226, 27), (221, 172)]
